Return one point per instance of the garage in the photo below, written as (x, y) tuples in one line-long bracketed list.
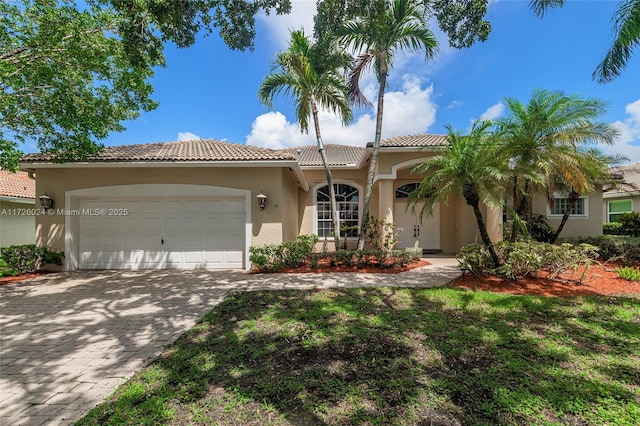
[(161, 234)]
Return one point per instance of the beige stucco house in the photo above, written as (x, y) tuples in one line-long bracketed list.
[(625, 197), (196, 204), (17, 202)]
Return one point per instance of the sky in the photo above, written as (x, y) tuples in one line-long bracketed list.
[(209, 91)]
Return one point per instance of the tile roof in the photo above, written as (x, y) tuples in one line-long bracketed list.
[(17, 185), (630, 175), (412, 141), (337, 155), (195, 150)]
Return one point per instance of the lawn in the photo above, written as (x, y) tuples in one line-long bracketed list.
[(394, 356), (5, 270)]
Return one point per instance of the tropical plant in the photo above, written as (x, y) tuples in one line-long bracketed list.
[(626, 28), (542, 140), (590, 169), (472, 167), (312, 78), (384, 28)]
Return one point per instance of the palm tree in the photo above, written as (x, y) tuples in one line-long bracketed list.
[(542, 140), (473, 167), (591, 168), (313, 83), (388, 27), (626, 27)]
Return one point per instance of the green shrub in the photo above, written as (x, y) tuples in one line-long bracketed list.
[(630, 223), (28, 258), (413, 253), (612, 228), (614, 247), (276, 257), (540, 229), (524, 258), (628, 273), (381, 235)]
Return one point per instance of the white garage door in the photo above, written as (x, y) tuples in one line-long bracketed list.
[(162, 234)]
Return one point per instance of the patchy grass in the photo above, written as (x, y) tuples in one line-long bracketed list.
[(393, 356), (6, 271)]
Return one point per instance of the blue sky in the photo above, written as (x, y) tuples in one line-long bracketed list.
[(209, 91)]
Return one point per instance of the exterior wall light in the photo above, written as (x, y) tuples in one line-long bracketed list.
[(46, 202), (262, 200)]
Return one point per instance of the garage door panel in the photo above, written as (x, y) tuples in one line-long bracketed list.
[(164, 234)]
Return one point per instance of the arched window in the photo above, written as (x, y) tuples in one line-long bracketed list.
[(348, 202), (406, 190)]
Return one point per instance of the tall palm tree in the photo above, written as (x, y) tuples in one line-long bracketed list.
[(386, 28), (473, 167), (312, 78), (626, 27), (542, 140)]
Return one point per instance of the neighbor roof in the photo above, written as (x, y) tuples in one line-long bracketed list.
[(17, 185), (630, 178), (195, 150), (337, 155), (412, 141)]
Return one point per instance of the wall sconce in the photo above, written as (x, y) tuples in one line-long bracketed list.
[(262, 200), (46, 202)]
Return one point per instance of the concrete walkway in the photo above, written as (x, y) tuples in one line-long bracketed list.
[(68, 340)]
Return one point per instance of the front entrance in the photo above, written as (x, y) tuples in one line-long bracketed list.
[(412, 230)]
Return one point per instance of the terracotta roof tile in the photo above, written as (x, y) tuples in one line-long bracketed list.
[(337, 155), (195, 150), (17, 185), (412, 141)]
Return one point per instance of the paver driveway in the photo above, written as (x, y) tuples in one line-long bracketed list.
[(68, 340)]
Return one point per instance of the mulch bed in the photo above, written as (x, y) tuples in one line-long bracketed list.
[(18, 278), (600, 279)]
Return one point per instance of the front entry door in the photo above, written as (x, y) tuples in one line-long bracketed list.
[(413, 231)]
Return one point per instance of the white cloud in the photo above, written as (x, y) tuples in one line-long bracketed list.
[(628, 143), (408, 111), (454, 104), (493, 112), (278, 26), (187, 136)]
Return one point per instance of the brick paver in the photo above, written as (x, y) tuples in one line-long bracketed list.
[(68, 340)]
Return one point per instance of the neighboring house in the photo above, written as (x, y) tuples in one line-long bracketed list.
[(17, 208), (625, 197), (195, 204)]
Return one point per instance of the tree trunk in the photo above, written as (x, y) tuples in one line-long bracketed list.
[(327, 170), (521, 209), (483, 232), (374, 154), (573, 199)]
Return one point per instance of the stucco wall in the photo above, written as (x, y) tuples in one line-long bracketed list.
[(267, 224), (289, 207), (17, 227), (575, 226)]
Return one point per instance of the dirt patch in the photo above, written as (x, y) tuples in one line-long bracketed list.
[(323, 266), (599, 279)]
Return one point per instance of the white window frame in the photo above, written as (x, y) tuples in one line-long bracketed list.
[(315, 204), (609, 212), (585, 199)]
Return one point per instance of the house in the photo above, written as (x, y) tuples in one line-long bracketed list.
[(203, 203), (17, 208), (626, 196)]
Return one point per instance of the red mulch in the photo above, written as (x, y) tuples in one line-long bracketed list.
[(369, 269), (18, 278), (600, 279)]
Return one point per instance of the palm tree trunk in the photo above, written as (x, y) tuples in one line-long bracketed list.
[(573, 199), (327, 170), (484, 234), (374, 154), (521, 209)]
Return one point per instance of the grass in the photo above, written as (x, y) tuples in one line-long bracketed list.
[(5, 270), (393, 356)]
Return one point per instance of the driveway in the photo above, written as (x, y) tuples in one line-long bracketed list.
[(68, 340)]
